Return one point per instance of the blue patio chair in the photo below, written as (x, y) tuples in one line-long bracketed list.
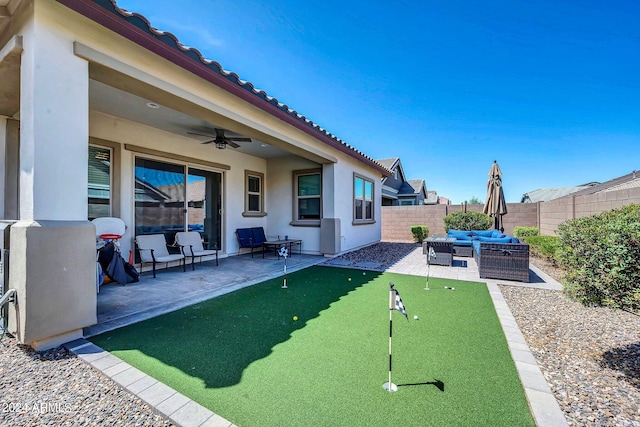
[(247, 239)]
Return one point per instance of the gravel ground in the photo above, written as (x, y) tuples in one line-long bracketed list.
[(54, 388), (385, 253), (590, 357)]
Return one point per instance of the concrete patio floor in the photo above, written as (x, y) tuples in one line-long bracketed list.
[(173, 289)]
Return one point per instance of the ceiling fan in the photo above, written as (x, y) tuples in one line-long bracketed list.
[(221, 140)]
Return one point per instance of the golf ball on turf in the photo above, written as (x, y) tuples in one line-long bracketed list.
[(349, 279), (415, 317), (295, 318)]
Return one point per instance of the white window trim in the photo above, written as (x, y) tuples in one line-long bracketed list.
[(305, 222), (247, 212), (364, 221)]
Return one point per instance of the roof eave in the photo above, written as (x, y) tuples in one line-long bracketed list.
[(184, 57)]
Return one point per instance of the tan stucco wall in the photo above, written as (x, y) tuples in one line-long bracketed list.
[(397, 220), (53, 269), (557, 211)]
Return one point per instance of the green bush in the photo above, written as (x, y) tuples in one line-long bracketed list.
[(543, 246), (467, 221), (601, 255), (420, 232), (522, 232)]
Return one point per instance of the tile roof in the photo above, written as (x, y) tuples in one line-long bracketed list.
[(432, 198), (630, 180), (89, 9), (412, 186), (546, 194), (388, 163)]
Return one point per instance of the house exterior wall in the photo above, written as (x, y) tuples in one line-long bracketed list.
[(52, 245), (56, 126)]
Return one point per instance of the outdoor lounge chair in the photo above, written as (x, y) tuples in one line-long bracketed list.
[(190, 243), (251, 238), (153, 249)]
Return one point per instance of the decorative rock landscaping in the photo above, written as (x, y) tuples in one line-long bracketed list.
[(590, 356)]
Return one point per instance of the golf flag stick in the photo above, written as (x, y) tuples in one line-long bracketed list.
[(395, 303), (431, 253), (283, 253), (389, 386)]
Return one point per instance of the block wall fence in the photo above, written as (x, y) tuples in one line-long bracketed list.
[(397, 220)]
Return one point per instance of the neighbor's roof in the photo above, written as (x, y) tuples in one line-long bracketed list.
[(137, 28), (389, 163), (630, 180), (412, 187), (432, 198), (546, 194)]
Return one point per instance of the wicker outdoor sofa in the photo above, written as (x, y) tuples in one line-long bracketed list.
[(508, 261), (498, 256)]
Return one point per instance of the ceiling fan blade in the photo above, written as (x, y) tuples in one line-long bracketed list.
[(233, 144), (239, 139), (209, 142)]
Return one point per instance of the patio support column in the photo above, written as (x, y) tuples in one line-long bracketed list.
[(330, 229), (3, 162), (9, 163), (53, 258)]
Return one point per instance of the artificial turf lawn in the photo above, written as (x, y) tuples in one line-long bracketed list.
[(244, 357)]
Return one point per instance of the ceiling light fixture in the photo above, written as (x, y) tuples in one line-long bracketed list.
[(153, 105)]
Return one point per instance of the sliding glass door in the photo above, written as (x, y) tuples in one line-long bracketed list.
[(171, 197), (204, 197)]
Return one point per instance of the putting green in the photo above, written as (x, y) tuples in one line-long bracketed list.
[(243, 355)]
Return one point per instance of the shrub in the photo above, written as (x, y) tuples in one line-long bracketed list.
[(467, 221), (420, 232), (543, 246), (522, 232), (601, 255)]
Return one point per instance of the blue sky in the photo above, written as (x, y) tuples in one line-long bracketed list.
[(550, 89)]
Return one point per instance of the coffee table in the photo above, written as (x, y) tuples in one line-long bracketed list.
[(443, 249), (277, 244)]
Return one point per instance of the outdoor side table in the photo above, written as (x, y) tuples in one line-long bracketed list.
[(277, 244), (442, 248)]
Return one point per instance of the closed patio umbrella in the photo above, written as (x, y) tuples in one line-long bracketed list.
[(495, 205)]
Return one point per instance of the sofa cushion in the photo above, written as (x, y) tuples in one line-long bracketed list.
[(460, 242), (459, 234), (506, 239), (483, 233), (497, 233), (515, 240), (476, 248)]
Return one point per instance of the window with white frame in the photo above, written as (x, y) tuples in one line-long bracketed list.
[(362, 199), (254, 194), (307, 197)]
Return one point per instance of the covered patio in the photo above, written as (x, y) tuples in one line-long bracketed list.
[(173, 289)]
